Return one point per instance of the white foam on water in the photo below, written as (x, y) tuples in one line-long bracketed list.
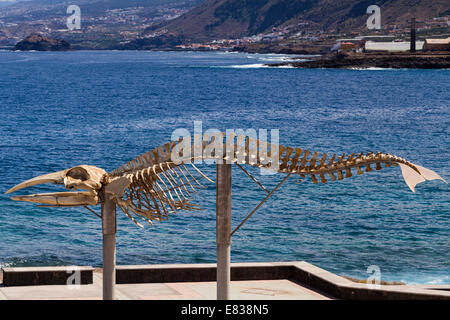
[(414, 279), (287, 66), (248, 66), (277, 59), (256, 66), (443, 280), (375, 69), (228, 52)]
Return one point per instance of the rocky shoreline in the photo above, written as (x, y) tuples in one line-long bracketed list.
[(334, 60), (375, 60), (264, 48)]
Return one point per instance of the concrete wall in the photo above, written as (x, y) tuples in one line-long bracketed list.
[(300, 272)]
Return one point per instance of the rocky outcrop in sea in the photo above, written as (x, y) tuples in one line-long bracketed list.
[(41, 43)]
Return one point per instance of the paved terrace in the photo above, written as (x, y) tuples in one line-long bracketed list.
[(250, 281), (242, 290)]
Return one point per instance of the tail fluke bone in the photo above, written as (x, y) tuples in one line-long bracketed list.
[(413, 177)]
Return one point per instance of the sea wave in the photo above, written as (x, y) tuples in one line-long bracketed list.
[(33, 261), (281, 59), (228, 52), (438, 281), (21, 59), (375, 69), (256, 66), (287, 66), (417, 279), (246, 66)]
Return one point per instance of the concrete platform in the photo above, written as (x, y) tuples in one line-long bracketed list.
[(250, 281), (242, 290)]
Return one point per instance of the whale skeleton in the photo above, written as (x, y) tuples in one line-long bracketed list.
[(160, 182)]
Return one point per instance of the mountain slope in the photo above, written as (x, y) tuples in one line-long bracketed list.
[(236, 18), (103, 22)]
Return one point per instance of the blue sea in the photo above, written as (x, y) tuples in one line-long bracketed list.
[(59, 110)]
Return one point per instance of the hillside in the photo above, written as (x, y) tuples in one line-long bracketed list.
[(216, 19), (156, 24), (44, 9), (103, 22)]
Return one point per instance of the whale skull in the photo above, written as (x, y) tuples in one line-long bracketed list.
[(83, 177)]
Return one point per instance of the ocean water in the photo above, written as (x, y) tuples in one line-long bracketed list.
[(59, 110)]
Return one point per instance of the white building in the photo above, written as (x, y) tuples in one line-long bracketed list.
[(392, 46)]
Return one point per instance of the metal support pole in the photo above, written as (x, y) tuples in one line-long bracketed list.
[(261, 203), (223, 228), (109, 246)]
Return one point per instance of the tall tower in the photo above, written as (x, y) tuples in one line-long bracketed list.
[(412, 47)]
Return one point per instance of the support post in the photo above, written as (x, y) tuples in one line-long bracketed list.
[(109, 246), (412, 43), (223, 229)]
